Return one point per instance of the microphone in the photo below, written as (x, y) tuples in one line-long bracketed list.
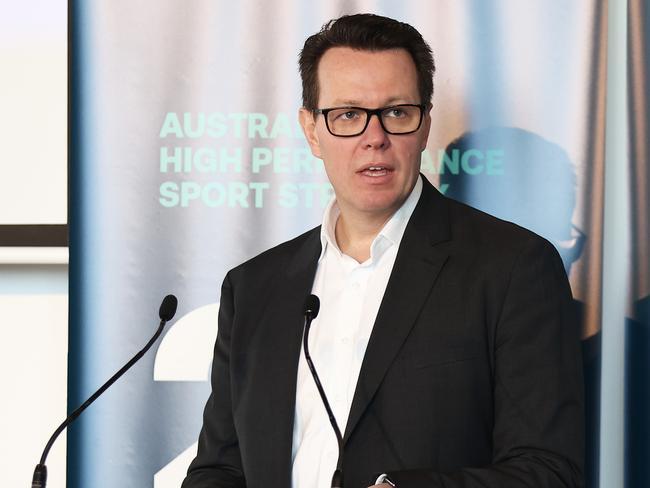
[(312, 307), (310, 311), (167, 308), (166, 313)]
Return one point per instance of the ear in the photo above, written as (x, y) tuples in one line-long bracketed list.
[(308, 124)]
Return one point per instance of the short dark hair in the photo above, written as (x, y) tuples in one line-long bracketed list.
[(365, 32)]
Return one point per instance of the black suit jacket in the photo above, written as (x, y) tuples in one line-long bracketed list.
[(471, 378)]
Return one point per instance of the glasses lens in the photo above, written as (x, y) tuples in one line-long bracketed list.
[(401, 119), (346, 121)]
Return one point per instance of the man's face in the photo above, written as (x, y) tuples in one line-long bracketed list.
[(368, 79)]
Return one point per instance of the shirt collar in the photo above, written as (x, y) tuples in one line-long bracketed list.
[(390, 234)]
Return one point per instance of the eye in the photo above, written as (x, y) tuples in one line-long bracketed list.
[(395, 112), (348, 115)]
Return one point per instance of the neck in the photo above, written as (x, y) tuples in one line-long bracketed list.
[(355, 233)]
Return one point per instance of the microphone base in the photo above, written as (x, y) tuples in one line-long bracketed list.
[(40, 476)]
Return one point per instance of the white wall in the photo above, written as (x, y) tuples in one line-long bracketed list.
[(33, 365), (33, 97)]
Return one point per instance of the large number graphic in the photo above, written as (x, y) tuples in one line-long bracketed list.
[(185, 354)]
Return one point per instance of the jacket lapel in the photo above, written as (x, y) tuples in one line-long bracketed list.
[(283, 343), (417, 265)]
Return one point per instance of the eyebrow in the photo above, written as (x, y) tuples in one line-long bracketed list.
[(357, 103)]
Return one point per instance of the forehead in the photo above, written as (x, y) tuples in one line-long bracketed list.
[(349, 76)]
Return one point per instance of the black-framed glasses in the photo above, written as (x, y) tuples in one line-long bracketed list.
[(352, 121)]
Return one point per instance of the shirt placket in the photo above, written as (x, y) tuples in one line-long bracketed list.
[(348, 323)]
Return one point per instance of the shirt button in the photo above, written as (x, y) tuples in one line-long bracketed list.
[(345, 340), (355, 285), (331, 455)]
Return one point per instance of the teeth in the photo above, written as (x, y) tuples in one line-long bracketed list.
[(376, 168)]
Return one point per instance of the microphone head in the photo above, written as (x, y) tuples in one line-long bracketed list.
[(168, 308), (312, 306)]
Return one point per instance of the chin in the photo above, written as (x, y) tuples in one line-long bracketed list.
[(381, 205)]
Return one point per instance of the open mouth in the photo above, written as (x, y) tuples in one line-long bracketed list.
[(375, 171)]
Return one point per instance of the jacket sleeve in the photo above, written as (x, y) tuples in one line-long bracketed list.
[(218, 461), (538, 435)]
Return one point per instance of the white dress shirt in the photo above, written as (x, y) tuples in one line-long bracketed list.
[(350, 294)]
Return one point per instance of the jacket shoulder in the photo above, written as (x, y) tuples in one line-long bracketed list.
[(280, 256), (480, 229)]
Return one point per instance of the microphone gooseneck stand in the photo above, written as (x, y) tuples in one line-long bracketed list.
[(312, 306), (166, 312)]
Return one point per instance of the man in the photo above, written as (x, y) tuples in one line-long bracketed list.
[(445, 339)]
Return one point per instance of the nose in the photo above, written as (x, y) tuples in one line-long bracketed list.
[(375, 136)]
